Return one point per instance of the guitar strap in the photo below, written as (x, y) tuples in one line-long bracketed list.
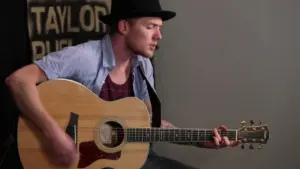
[(155, 102)]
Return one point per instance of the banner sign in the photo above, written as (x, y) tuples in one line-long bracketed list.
[(57, 24)]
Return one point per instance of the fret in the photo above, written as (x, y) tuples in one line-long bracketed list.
[(177, 135), (137, 137), (156, 135), (172, 137), (134, 134), (167, 134), (161, 135), (201, 135), (232, 135), (150, 135), (189, 135), (144, 135), (164, 132), (182, 135), (129, 136), (141, 134), (195, 135)]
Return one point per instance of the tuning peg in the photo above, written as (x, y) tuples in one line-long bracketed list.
[(251, 146), (251, 122), (243, 123), (242, 146), (260, 146)]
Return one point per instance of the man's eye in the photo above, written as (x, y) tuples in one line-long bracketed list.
[(150, 27)]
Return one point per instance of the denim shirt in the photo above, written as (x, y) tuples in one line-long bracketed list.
[(89, 64)]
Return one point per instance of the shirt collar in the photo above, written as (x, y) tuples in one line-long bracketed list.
[(108, 59)]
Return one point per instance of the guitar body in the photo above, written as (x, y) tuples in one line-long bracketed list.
[(70, 103)]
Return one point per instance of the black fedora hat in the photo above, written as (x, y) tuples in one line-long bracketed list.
[(122, 9)]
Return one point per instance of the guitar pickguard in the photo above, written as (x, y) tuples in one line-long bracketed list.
[(89, 153)]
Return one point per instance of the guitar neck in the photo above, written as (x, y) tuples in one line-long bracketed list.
[(175, 135)]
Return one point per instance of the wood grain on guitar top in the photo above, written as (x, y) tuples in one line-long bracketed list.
[(60, 98)]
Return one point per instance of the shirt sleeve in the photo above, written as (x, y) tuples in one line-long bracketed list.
[(148, 70), (61, 64)]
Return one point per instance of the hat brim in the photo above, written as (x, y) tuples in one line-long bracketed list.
[(164, 15)]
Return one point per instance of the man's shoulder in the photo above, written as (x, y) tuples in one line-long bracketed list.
[(85, 52), (92, 46)]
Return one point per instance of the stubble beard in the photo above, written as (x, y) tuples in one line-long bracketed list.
[(140, 52)]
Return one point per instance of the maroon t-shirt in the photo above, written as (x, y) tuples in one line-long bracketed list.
[(111, 91)]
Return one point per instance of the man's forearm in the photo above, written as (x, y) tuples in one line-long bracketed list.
[(28, 101)]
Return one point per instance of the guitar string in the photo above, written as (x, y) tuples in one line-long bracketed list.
[(145, 134), (147, 129), (151, 131), (168, 132), (165, 132), (207, 137), (179, 136)]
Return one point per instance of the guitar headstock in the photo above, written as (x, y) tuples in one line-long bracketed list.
[(253, 134)]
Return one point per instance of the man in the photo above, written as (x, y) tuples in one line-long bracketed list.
[(108, 67)]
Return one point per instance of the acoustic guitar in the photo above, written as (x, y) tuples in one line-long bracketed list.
[(108, 134)]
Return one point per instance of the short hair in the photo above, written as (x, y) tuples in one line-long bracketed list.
[(113, 27)]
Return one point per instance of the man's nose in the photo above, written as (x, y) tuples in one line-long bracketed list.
[(158, 35)]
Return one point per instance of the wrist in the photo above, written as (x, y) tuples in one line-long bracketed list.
[(49, 127)]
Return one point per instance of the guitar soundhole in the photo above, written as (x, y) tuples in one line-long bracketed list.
[(111, 134)]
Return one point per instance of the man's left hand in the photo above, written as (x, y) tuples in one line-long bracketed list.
[(166, 124), (219, 141)]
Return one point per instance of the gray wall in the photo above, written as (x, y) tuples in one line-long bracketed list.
[(222, 62)]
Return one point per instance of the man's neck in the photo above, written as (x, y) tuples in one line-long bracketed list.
[(122, 54)]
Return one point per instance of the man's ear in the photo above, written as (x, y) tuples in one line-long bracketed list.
[(123, 27)]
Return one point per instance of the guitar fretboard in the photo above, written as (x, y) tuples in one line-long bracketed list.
[(174, 135)]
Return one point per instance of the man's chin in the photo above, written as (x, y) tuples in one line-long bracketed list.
[(148, 55)]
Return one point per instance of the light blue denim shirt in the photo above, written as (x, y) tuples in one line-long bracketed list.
[(89, 64)]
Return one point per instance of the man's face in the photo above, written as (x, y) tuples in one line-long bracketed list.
[(143, 35)]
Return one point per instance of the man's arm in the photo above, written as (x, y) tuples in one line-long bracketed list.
[(22, 84), (218, 142)]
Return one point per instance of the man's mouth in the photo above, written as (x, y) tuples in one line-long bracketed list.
[(154, 46)]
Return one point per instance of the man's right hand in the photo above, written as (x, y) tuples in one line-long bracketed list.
[(59, 147)]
